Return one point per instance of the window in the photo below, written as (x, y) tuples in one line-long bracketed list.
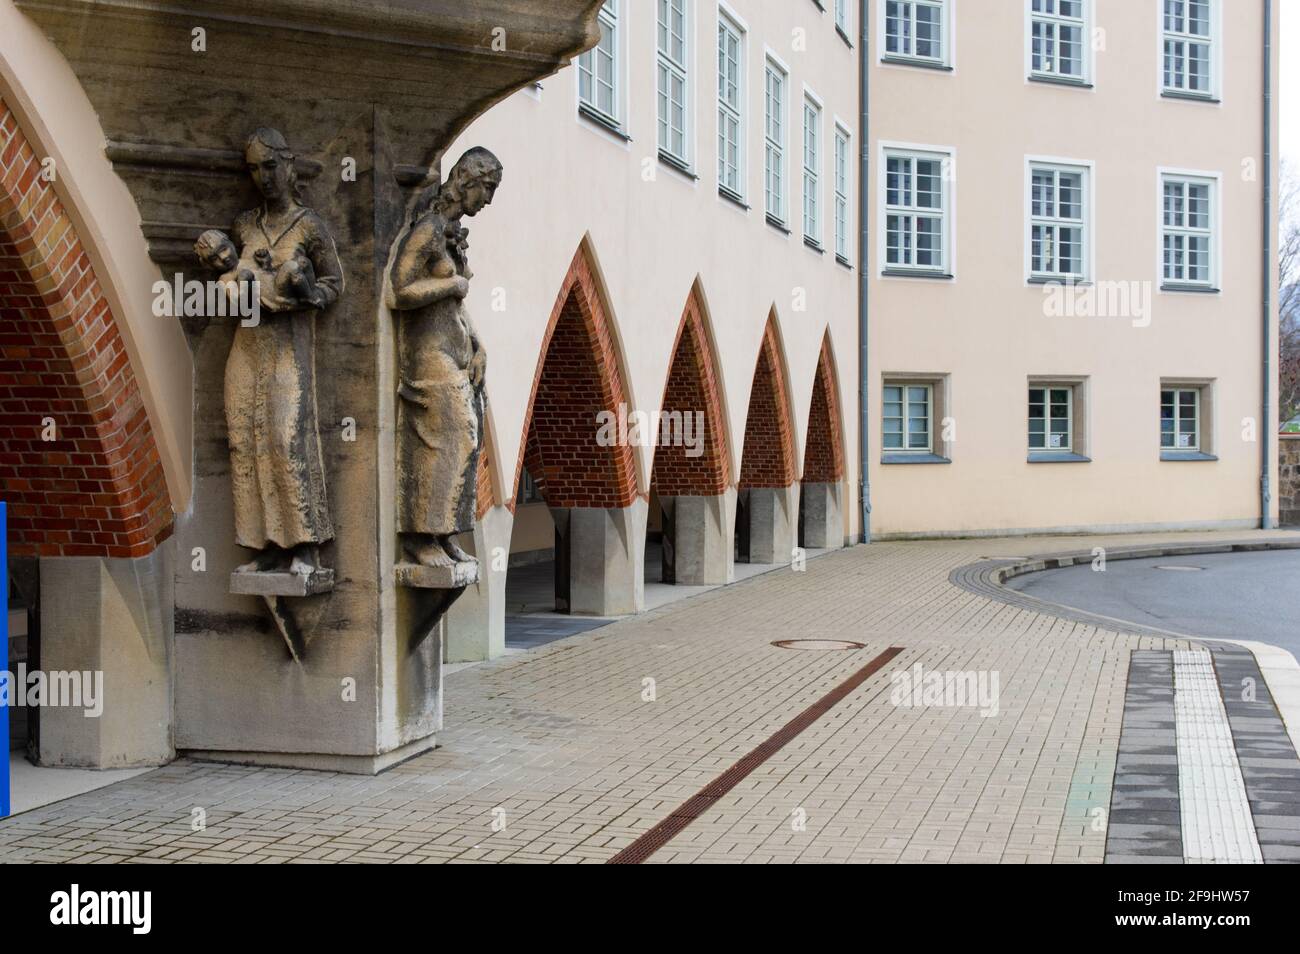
[(1057, 225), (915, 211), (1057, 34), (908, 417), (915, 31), (1188, 48), (672, 89), (841, 195), (528, 491), (731, 127), (1051, 418), (598, 69), (842, 16), (1180, 419), (1187, 231), (812, 123), (774, 142)]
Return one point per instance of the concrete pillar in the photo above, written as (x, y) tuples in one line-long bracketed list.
[(821, 519), (476, 623), (769, 513), (702, 537), (606, 549), (115, 617)]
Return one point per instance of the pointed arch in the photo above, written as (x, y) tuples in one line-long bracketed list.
[(578, 376), (768, 456), (824, 443), (692, 393), (488, 490)]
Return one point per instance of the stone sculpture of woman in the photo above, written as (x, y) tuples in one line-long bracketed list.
[(441, 364), (277, 470)]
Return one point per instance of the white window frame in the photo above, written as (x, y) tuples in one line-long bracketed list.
[(842, 183), (843, 18), (1215, 60), (1047, 387), (1215, 232), (1176, 390), (811, 164), (608, 19), (667, 67), (776, 147), (947, 60), (947, 156), (906, 419), (1087, 224), (727, 20), (1088, 54)]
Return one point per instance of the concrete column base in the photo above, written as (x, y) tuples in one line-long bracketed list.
[(115, 617), (702, 535), (476, 623), (606, 552), (821, 517), (769, 512)]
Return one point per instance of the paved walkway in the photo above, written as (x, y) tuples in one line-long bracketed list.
[(558, 746)]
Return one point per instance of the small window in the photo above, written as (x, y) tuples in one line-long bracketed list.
[(1051, 419), (812, 124), (1058, 32), (916, 232), (1188, 38), (731, 117), (916, 31), (1180, 419), (842, 16), (842, 195), (908, 418), (528, 492), (598, 69), (1058, 229), (1187, 233), (673, 90), (774, 141)]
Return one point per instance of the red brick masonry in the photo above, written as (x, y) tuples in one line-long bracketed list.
[(823, 460), (768, 457)]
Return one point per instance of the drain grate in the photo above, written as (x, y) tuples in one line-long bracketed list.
[(1180, 568), (818, 645)]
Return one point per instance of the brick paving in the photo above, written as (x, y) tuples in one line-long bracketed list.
[(561, 744)]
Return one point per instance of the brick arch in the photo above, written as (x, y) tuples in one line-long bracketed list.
[(767, 458), (98, 488), (823, 459), (577, 377), (693, 386)]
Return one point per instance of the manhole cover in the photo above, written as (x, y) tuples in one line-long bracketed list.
[(1181, 569), (818, 644)]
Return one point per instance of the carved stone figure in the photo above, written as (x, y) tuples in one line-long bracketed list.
[(277, 471), (441, 365)]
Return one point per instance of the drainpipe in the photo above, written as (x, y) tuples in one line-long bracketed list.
[(1266, 433), (864, 146)]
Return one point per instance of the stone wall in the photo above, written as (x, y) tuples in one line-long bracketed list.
[(1288, 479)]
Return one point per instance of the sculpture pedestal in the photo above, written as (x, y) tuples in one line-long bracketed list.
[(259, 583), (455, 576)]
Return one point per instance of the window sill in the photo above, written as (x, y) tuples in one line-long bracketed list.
[(897, 60), (912, 457), (1063, 280), (602, 121), (844, 261), (677, 165), (813, 244), (1177, 455), (1190, 97), (1194, 289), (725, 193), (777, 224), (1057, 457), (914, 273), (844, 36), (1059, 81)]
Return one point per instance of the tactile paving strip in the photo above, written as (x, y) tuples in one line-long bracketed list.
[(1216, 820)]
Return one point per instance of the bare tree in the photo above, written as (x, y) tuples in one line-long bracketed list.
[(1288, 258)]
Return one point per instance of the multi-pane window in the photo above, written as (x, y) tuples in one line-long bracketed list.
[(1057, 223), (908, 414), (915, 211), (812, 121), (842, 16), (598, 67), (1187, 235), (1051, 418), (1188, 42), (1180, 419), (730, 115), (774, 141), (1056, 38), (915, 29), (672, 88), (841, 194)]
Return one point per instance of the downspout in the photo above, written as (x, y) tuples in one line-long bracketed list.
[(864, 145), (1266, 432)]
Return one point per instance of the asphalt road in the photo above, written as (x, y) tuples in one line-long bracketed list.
[(1252, 596)]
